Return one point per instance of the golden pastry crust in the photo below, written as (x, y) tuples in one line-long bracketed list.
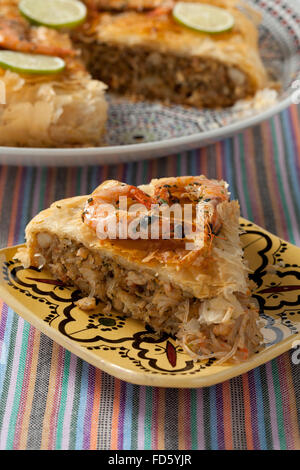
[(65, 111)]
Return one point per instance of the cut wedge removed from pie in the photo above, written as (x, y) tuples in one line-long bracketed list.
[(155, 264)]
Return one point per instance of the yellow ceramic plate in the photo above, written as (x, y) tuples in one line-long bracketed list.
[(130, 350)]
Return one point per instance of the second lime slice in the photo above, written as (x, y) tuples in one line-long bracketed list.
[(35, 64), (54, 13), (203, 17)]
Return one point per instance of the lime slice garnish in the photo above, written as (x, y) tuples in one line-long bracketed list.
[(54, 13), (202, 17), (31, 63)]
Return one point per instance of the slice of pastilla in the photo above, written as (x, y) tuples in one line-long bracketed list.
[(199, 293), (160, 50), (48, 99)]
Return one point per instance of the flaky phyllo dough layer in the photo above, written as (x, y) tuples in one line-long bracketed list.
[(200, 296)]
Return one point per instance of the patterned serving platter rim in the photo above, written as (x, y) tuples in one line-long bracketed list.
[(130, 350), (147, 130)]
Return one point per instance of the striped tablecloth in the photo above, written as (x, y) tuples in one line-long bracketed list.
[(50, 399)]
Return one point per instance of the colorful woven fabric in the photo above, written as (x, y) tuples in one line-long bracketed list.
[(50, 399)]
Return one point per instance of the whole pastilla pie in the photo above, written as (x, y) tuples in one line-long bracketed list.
[(137, 250), (138, 48)]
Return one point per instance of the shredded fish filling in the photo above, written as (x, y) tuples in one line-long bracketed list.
[(143, 73), (163, 305)]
